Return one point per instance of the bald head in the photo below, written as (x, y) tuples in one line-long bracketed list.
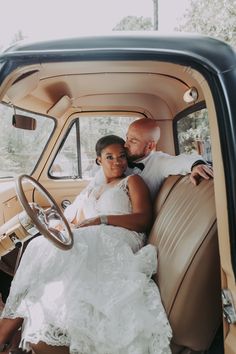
[(148, 127), (142, 137)]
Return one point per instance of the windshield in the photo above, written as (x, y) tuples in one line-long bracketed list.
[(21, 149)]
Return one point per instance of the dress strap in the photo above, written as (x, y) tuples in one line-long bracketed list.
[(123, 184)]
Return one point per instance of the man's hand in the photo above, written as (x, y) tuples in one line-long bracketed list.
[(201, 171)]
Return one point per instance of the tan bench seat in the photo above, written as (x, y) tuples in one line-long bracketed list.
[(188, 275)]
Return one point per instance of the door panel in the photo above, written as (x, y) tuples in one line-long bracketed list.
[(9, 204)]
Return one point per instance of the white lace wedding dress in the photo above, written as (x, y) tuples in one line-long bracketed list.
[(97, 298)]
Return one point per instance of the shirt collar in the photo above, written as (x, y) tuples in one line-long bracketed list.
[(146, 158)]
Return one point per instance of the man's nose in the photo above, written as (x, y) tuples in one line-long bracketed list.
[(126, 144)]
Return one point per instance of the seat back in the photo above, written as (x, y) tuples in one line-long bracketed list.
[(188, 275)]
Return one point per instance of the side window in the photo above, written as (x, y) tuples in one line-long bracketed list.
[(66, 162), (193, 134), (76, 157)]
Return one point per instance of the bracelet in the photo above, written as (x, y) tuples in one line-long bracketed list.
[(104, 219)]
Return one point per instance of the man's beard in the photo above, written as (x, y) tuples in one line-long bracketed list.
[(134, 158)]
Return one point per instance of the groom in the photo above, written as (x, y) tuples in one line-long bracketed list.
[(154, 166)]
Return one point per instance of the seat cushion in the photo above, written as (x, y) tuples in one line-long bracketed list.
[(188, 276)]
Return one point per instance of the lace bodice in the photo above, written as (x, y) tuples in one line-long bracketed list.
[(108, 199)]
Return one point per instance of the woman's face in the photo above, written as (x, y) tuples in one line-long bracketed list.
[(113, 161)]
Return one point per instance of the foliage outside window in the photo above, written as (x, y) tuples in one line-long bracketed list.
[(66, 162), (21, 149), (194, 134), (214, 18), (76, 158)]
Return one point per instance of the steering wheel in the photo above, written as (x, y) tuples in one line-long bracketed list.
[(41, 218)]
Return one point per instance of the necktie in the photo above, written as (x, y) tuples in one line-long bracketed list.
[(139, 165)]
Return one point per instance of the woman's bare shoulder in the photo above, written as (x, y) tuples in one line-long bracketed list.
[(138, 189), (135, 180)]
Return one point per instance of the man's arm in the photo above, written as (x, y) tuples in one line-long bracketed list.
[(184, 164)]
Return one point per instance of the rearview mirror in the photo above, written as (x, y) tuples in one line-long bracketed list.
[(23, 122)]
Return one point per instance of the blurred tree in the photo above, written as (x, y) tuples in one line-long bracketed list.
[(134, 23), (216, 18), (155, 15), (194, 134), (18, 36)]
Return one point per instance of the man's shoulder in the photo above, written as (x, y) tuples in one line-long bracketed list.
[(160, 153), (156, 155)]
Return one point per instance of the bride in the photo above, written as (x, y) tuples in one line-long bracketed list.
[(97, 298)]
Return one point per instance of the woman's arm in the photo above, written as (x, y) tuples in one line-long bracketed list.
[(141, 218), (79, 217)]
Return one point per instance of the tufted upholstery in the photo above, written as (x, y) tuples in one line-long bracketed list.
[(188, 276)]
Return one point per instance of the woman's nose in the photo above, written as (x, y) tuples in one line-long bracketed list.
[(117, 160)]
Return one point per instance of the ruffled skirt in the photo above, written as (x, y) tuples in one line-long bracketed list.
[(97, 298)]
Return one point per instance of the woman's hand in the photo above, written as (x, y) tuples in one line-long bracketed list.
[(89, 222)]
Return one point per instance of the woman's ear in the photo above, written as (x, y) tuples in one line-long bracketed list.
[(98, 161)]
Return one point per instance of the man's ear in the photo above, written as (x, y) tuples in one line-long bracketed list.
[(151, 145)]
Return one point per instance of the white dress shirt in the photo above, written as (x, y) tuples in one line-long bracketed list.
[(159, 165)]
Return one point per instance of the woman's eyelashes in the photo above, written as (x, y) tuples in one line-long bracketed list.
[(120, 157)]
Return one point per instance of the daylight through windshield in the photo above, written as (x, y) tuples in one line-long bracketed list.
[(20, 149)]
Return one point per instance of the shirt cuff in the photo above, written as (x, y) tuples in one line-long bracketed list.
[(198, 162)]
